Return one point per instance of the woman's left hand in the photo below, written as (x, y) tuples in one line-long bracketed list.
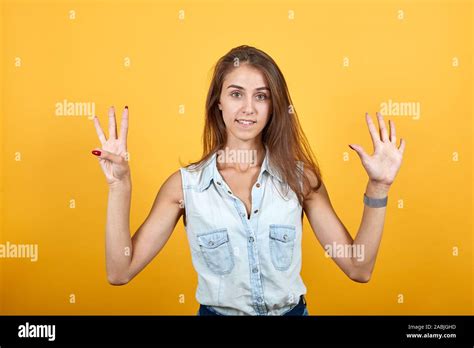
[(382, 167)]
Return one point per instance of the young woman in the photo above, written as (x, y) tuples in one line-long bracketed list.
[(242, 203)]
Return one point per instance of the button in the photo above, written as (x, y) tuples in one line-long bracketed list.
[(255, 270), (229, 192), (258, 184), (259, 299), (251, 239), (285, 237), (211, 243), (218, 183), (255, 211)]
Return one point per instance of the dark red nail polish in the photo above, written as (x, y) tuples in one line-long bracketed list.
[(96, 152), (126, 107)]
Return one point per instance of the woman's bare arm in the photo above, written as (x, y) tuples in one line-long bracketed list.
[(330, 232), (382, 168), (126, 256)]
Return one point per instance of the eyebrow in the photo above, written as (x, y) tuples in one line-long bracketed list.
[(242, 88)]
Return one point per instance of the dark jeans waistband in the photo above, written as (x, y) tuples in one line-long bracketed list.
[(299, 309)]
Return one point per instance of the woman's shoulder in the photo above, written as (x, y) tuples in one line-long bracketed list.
[(313, 180), (197, 172), (173, 183)]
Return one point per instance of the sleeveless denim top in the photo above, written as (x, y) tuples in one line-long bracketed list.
[(244, 266)]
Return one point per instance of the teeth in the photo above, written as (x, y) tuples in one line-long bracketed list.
[(245, 122)]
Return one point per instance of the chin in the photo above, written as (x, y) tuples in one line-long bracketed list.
[(244, 136)]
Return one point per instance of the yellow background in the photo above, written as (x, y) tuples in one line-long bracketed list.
[(407, 59)]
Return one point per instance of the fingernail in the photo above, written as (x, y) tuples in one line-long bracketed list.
[(96, 152), (351, 147), (126, 107)]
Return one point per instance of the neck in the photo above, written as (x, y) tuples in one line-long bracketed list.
[(241, 156)]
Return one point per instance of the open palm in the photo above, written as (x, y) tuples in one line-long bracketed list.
[(382, 167), (113, 156)]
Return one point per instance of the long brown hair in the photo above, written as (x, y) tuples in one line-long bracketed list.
[(283, 134)]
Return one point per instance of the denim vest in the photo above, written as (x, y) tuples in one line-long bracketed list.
[(244, 266)]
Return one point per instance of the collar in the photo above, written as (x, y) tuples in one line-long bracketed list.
[(210, 172)]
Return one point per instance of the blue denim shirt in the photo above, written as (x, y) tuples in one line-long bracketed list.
[(244, 266)]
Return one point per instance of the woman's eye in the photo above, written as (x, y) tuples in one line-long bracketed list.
[(234, 93), (238, 95)]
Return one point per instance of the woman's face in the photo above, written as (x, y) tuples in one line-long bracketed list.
[(245, 102)]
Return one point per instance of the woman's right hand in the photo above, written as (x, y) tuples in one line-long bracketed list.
[(113, 156)]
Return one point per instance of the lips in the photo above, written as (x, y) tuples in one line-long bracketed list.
[(245, 121)]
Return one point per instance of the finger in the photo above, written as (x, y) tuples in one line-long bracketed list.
[(110, 156), (372, 129), (383, 129), (393, 134), (360, 151), (112, 124), (402, 145), (102, 164), (100, 132), (124, 126)]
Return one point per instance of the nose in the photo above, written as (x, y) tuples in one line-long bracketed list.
[(248, 108)]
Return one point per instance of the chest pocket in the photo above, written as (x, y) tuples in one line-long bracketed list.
[(217, 251), (282, 241)]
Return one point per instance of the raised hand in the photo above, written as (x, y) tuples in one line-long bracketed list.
[(384, 164), (113, 153)]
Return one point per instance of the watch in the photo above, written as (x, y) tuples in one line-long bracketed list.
[(375, 202)]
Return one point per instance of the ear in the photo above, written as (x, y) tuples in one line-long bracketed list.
[(219, 105)]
